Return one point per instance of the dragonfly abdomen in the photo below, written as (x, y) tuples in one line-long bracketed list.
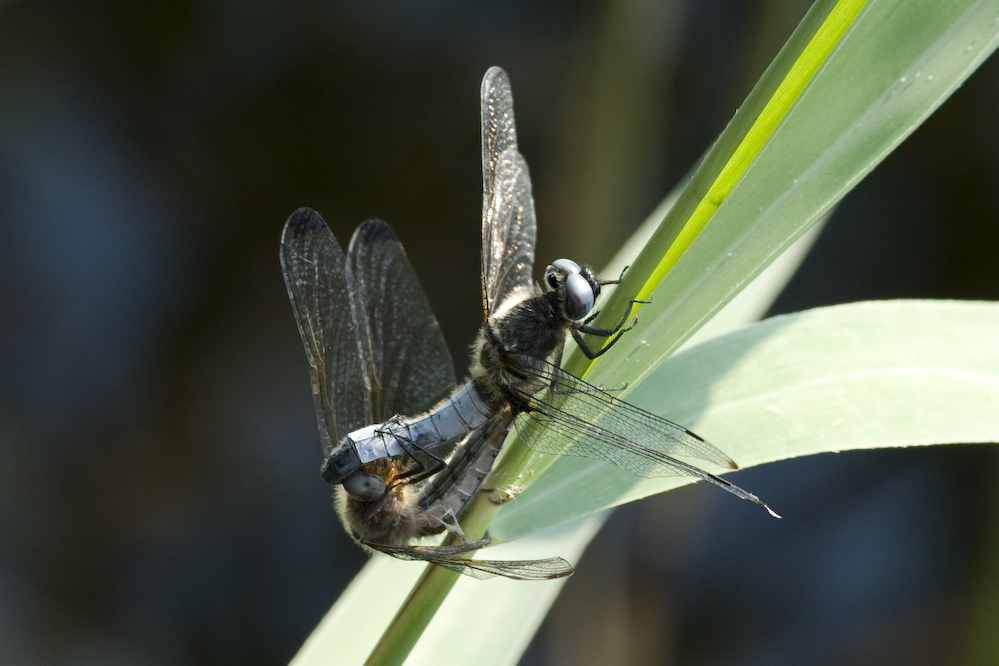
[(458, 415)]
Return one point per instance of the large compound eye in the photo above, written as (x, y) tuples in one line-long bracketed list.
[(560, 267), (567, 266), (578, 296), (364, 486)]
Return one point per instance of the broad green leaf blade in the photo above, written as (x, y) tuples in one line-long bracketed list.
[(748, 305), (831, 20), (898, 63), (735, 149), (866, 375)]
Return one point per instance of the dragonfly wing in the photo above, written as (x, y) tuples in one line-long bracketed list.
[(324, 298), (574, 407), (499, 129), (573, 417), (410, 364), (449, 557), (509, 224)]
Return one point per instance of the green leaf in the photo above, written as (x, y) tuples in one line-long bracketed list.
[(900, 61), (865, 375)]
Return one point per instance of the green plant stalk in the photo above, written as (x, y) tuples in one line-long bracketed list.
[(434, 585), (431, 589), (413, 617)]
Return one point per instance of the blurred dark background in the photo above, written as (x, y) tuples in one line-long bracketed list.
[(160, 501)]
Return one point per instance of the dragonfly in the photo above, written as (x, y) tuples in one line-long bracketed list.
[(509, 230), (358, 344), (375, 351)]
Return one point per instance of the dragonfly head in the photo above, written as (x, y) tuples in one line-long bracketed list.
[(341, 464), (364, 486), (577, 287), (343, 467)]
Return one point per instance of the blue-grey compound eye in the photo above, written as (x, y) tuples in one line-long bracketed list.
[(364, 486), (578, 295), (566, 266)]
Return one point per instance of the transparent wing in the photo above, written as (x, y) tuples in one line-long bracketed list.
[(509, 225), (324, 298), (575, 418), (411, 368), (449, 557), (499, 131)]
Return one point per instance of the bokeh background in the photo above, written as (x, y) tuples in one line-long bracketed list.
[(160, 501)]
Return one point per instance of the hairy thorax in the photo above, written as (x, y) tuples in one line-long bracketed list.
[(525, 327)]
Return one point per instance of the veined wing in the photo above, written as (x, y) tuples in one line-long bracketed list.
[(324, 298), (499, 131), (411, 368), (449, 557), (509, 225), (573, 417)]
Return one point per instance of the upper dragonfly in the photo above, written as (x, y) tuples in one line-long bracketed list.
[(512, 306)]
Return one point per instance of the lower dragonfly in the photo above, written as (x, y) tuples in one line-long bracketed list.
[(375, 350)]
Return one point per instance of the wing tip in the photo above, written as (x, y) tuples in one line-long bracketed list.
[(492, 75), (302, 222), (374, 231)]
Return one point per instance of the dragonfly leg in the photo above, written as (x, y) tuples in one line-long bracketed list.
[(617, 332), (425, 463), (618, 280)]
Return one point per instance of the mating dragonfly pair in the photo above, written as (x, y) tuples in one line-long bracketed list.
[(376, 352)]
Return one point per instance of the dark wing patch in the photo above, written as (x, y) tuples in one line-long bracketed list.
[(411, 367), (323, 297)]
